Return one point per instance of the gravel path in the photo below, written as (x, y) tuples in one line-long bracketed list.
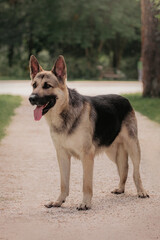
[(29, 177), (23, 87)]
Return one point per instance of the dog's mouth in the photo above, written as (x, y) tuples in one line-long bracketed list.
[(42, 110)]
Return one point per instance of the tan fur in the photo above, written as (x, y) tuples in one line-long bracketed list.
[(80, 144)]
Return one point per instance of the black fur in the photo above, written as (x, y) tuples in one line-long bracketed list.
[(50, 100), (72, 116), (75, 99), (108, 113)]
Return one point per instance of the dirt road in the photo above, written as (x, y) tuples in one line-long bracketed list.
[(29, 177)]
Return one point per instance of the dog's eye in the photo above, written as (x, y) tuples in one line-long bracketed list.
[(34, 85), (46, 85)]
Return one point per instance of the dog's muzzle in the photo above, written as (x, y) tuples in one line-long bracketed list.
[(33, 99), (44, 104)]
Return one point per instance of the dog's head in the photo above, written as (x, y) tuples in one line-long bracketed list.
[(48, 86)]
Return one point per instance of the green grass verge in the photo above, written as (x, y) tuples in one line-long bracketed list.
[(150, 107), (8, 104)]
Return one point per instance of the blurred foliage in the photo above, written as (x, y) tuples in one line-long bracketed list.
[(157, 3), (157, 8), (83, 31)]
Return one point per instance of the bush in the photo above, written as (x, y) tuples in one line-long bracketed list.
[(81, 68), (129, 67)]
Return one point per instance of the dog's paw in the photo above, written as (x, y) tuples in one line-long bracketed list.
[(54, 204), (49, 205), (143, 194), (118, 191), (83, 207)]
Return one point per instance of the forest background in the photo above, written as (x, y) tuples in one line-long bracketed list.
[(99, 39)]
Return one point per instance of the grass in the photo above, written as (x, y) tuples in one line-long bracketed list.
[(150, 107), (8, 104)]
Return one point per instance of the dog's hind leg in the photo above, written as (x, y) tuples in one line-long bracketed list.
[(134, 152), (122, 166), (131, 144), (64, 166)]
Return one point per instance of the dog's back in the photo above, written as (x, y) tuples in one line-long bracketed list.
[(110, 112), (107, 113)]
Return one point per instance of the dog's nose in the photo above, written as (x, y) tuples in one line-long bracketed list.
[(33, 98)]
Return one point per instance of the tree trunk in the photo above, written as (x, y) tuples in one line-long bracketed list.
[(10, 55), (118, 46), (150, 50)]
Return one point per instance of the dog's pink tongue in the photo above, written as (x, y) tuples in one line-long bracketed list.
[(38, 113)]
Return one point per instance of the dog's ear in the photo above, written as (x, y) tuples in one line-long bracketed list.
[(60, 69), (34, 66)]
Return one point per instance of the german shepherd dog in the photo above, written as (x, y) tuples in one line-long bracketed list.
[(83, 126)]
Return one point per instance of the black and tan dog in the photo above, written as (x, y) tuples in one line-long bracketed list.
[(83, 126)]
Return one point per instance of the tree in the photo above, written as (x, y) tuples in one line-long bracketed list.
[(150, 49), (11, 27), (84, 31), (97, 27)]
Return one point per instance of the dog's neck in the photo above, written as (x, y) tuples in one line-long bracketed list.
[(63, 116)]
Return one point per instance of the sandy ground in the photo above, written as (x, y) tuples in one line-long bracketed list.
[(29, 177)]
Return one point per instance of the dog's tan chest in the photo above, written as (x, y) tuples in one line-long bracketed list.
[(75, 144)]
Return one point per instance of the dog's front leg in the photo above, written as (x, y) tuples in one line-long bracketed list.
[(64, 166), (87, 162)]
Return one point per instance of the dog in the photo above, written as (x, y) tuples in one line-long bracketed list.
[(84, 126)]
